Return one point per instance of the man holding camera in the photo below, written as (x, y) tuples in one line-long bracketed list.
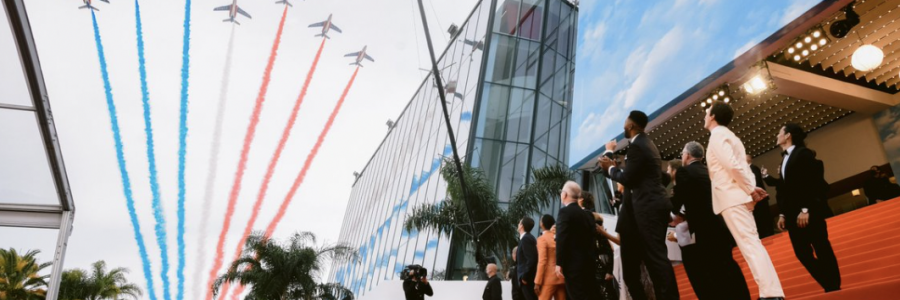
[(416, 285)]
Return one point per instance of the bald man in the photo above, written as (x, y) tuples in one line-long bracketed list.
[(493, 290), (575, 248)]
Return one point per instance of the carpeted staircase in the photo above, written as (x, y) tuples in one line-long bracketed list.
[(867, 244)]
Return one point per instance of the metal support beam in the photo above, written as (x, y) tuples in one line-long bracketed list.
[(30, 216), (62, 242)]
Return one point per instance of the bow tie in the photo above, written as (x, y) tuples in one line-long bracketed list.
[(784, 153)]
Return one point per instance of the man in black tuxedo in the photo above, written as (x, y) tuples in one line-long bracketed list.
[(575, 245), (644, 216), (526, 265), (801, 198), (762, 214), (715, 273), (493, 290)]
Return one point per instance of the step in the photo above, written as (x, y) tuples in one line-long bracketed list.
[(880, 290)]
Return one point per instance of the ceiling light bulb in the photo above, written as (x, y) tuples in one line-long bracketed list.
[(867, 58), (814, 47), (805, 52), (807, 39), (799, 45), (797, 57), (816, 34), (822, 42), (708, 100), (702, 104), (715, 97), (755, 85), (791, 50), (727, 99)]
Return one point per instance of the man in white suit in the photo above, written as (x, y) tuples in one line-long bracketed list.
[(734, 196)]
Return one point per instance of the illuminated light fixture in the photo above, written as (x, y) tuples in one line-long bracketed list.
[(759, 82), (708, 100), (715, 97), (855, 192), (867, 58), (702, 104), (805, 45), (727, 100)]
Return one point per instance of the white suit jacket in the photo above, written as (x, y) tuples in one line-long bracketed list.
[(732, 180)]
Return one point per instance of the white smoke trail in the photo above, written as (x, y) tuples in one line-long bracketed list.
[(199, 287)]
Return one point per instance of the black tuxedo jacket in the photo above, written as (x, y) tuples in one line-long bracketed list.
[(493, 290), (575, 247), (694, 190), (803, 186), (527, 258), (645, 198)]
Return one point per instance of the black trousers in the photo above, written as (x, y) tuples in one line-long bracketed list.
[(648, 247), (581, 285), (693, 261), (528, 291), (722, 276), (813, 250), (763, 216)]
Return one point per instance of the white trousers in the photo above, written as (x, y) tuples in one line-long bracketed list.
[(740, 222)]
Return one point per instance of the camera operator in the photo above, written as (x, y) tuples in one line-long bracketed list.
[(416, 285)]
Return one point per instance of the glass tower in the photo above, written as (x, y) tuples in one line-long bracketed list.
[(508, 73)]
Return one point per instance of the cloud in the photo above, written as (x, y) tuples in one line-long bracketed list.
[(593, 41), (653, 66), (594, 130), (797, 8)]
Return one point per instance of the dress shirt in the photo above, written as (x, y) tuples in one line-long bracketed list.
[(785, 161)]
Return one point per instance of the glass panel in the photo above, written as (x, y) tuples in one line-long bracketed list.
[(25, 176), (492, 116), (23, 240), (530, 18), (520, 117), (506, 18), (13, 86), (547, 66), (504, 182), (501, 59), (490, 158), (526, 64), (539, 160), (553, 17), (565, 32), (554, 135), (543, 116), (522, 170)]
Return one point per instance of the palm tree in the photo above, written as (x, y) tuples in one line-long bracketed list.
[(496, 227), (19, 279), (289, 271), (77, 285)]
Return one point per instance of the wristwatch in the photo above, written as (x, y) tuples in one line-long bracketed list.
[(804, 210)]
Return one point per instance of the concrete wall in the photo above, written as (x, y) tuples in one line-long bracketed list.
[(848, 147), (443, 290)]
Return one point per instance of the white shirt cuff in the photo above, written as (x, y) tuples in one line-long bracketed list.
[(610, 169)]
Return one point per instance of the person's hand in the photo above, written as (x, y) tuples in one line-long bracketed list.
[(750, 205), (760, 193), (611, 146), (425, 280), (671, 237), (609, 277), (803, 220), (605, 163), (780, 223), (559, 272), (599, 229), (537, 289), (764, 171), (677, 220)]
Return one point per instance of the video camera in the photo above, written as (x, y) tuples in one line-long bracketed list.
[(420, 272)]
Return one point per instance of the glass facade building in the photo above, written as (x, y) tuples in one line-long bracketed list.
[(508, 74)]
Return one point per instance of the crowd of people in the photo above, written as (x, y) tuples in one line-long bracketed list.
[(718, 201)]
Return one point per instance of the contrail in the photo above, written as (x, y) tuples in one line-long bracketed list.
[(182, 142), (212, 166), (158, 215), (120, 156), (242, 163), (285, 134), (309, 158)]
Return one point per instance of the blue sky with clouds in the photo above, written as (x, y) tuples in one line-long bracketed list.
[(642, 54)]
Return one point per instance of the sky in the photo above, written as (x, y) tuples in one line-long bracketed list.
[(631, 55), (639, 55)]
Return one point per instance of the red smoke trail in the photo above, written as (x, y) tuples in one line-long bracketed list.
[(242, 163), (274, 162), (306, 164), (310, 158)]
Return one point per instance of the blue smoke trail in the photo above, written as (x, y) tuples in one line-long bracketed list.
[(120, 155), (182, 141), (160, 228)]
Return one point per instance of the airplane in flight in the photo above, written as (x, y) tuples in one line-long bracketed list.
[(87, 4), (285, 2), (360, 56), (233, 11), (326, 26)]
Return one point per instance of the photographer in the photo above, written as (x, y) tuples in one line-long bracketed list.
[(415, 285)]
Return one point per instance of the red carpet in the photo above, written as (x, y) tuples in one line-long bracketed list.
[(866, 243)]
